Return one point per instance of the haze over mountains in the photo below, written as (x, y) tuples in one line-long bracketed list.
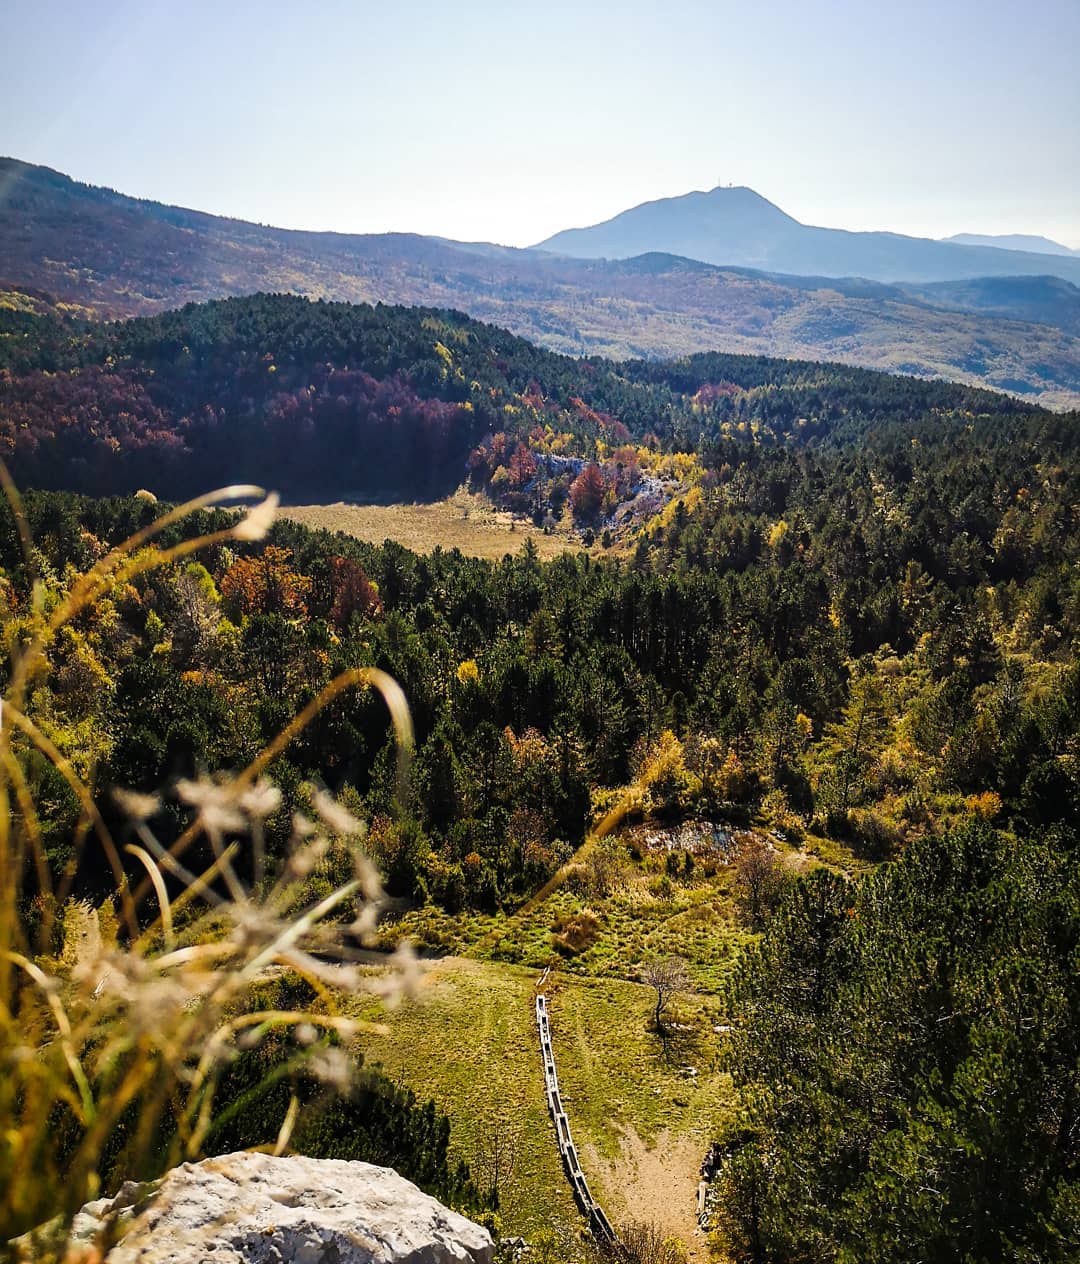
[(738, 226), (1012, 241), (121, 256)]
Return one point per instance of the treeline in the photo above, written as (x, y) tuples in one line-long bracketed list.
[(325, 399)]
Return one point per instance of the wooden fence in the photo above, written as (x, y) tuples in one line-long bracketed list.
[(590, 1208)]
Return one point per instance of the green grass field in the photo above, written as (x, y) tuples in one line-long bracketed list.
[(642, 1114), (641, 1121), (640, 918)]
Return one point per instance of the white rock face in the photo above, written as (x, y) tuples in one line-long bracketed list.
[(256, 1209)]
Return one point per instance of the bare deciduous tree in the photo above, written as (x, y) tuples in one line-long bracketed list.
[(760, 878), (667, 976), (496, 1157)]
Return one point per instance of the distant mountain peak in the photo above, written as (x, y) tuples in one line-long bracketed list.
[(740, 191), (735, 205), (67, 243), (742, 195), (735, 226)]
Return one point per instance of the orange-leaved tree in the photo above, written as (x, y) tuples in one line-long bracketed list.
[(266, 584)]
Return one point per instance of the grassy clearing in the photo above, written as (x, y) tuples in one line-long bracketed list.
[(642, 1114), (461, 521), (469, 1042), (836, 854), (606, 934)]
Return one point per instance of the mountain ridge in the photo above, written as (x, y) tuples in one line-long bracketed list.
[(1013, 241), (725, 227), (117, 256)]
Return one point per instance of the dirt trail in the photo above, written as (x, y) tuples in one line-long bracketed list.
[(655, 1184)]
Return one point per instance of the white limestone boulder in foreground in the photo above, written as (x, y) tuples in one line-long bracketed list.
[(257, 1209)]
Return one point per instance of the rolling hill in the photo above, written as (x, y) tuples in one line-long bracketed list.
[(335, 400), (117, 256), (1045, 300)]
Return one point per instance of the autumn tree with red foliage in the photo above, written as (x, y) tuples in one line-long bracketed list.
[(587, 491), (353, 593), (522, 466)]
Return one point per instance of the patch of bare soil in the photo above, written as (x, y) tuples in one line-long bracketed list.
[(656, 1184)]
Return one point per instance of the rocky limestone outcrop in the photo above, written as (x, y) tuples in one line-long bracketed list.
[(256, 1209)]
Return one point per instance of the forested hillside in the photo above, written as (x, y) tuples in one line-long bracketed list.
[(854, 606), (97, 251), (831, 618), (326, 399), (909, 1062)]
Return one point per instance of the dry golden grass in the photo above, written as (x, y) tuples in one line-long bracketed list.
[(461, 521)]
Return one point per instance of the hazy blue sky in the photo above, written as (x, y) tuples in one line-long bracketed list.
[(505, 120)]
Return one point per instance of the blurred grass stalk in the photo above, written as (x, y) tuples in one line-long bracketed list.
[(115, 1026)]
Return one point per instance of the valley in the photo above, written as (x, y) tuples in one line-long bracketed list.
[(1015, 327), (735, 697), (540, 633)]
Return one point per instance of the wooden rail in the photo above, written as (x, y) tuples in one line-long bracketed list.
[(590, 1208)]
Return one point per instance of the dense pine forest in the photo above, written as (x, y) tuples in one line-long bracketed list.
[(838, 606), (327, 398), (861, 598)]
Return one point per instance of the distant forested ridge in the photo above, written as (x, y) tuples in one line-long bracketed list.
[(325, 399), (99, 252)]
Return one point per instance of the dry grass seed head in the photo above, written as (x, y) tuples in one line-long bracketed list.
[(116, 1020)]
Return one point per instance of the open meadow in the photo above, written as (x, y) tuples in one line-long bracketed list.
[(641, 1120), (461, 521), (642, 1112)]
